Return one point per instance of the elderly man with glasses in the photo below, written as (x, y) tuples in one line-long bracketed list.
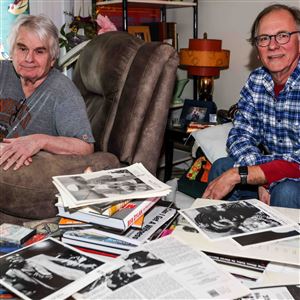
[(264, 144)]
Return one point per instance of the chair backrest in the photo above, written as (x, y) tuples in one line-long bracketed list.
[(127, 85)]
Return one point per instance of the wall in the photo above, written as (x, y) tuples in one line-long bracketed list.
[(229, 21), (55, 9), (55, 12)]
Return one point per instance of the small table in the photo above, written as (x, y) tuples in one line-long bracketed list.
[(175, 138)]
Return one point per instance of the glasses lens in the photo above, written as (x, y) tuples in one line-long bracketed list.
[(263, 40), (282, 37)]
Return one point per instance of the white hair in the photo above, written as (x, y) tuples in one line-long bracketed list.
[(40, 25)]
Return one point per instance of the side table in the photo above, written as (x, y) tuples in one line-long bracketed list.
[(175, 138)]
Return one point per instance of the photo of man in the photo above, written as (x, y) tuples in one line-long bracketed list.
[(231, 219), (44, 268)]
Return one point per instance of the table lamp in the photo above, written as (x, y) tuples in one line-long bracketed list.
[(204, 58)]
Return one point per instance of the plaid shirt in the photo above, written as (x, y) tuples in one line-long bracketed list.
[(267, 120)]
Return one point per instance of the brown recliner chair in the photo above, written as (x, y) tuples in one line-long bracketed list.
[(127, 85)]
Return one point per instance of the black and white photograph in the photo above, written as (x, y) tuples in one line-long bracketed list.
[(104, 186), (131, 182), (231, 219), (44, 268), (142, 259), (121, 277), (100, 282)]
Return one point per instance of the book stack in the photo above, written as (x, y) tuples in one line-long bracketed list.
[(103, 241), (113, 210)]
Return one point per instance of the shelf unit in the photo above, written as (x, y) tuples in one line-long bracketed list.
[(163, 5)]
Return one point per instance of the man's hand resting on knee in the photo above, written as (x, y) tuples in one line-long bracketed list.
[(225, 183)]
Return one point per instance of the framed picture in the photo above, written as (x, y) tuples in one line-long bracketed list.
[(192, 111), (141, 32)]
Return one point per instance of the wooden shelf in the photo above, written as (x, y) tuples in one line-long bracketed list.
[(157, 3)]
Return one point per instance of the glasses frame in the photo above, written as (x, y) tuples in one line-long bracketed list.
[(275, 37)]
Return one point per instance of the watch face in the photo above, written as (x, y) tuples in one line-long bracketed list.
[(243, 170)]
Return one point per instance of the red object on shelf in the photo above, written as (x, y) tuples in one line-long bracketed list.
[(136, 16)]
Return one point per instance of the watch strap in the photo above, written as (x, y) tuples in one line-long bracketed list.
[(243, 172)]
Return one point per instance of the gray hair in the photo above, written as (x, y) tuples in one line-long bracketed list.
[(40, 25), (295, 12)]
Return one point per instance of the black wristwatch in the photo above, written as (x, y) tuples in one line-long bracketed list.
[(243, 171)]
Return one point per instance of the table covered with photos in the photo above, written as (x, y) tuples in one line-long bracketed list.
[(217, 250)]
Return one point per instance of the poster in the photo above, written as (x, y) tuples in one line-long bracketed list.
[(9, 11)]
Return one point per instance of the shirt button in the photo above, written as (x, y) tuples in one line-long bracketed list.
[(280, 141), (278, 120)]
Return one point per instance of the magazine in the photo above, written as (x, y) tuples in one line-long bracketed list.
[(235, 218), (133, 182), (162, 269), (45, 270)]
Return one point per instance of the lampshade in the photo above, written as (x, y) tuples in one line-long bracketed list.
[(204, 57)]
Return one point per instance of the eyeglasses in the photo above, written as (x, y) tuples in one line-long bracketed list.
[(281, 38), (18, 108)]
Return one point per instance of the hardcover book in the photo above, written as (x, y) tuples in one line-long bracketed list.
[(15, 234)]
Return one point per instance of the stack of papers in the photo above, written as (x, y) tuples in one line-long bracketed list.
[(109, 186)]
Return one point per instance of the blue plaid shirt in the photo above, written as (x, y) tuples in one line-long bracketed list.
[(264, 119)]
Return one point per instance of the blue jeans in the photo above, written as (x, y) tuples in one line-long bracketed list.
[(286, 194), (283, 194)]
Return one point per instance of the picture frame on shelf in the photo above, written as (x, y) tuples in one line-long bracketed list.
[(142, 32), (192, 111)]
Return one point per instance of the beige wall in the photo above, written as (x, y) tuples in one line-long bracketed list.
[(229, 21), (55, 9)]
